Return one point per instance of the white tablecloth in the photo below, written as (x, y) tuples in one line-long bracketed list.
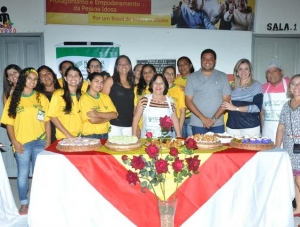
[(9, 215), (258, 195)]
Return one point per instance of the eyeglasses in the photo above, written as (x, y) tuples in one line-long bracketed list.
[(158, 84), (94, 66), (45, 74), (169, 74), (294, 84)]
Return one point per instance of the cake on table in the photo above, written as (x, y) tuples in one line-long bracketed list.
[(252, 143), (78, 144), (205, 141), (168, 143), (123, 143)]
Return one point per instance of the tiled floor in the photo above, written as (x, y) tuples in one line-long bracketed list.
[(14, 188)]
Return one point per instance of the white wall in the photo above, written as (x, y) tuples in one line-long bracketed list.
[(149, 42)]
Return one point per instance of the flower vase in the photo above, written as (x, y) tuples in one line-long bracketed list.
[(167, 212)]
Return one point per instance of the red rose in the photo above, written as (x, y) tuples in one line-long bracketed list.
[(177, 165), (124, 157), (152, 151), (173, 151), (161, 166), (132, 177), (190, 143), (193, 163), (166, 123), (149, 135), (138, 162)]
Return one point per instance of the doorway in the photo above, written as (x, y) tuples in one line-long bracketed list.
[(282, 47), (25, 50)]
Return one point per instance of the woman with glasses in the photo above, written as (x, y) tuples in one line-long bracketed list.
[(288, 133), (153, 106)]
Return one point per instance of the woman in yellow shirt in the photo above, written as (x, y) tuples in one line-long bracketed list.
[(96, 109), (64, 105), (176, 93), (28, 128)]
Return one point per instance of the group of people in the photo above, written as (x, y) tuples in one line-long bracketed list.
[(39, 108), (205, 14)]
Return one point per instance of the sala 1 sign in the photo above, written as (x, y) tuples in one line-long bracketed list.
[(281, 27)]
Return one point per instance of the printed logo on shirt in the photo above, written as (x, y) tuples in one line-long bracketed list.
[(20, 109), (274, 103), (153, 119), (97, 108), (106, 107)]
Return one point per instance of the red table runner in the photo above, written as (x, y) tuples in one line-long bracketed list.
[(107, 176)]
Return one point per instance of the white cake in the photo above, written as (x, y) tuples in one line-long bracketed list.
[(123, 143)]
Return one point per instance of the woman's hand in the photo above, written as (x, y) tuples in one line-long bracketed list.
[(18, 147), (228, 106)]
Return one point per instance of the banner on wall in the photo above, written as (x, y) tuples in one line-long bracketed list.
[(197, 14), (80, 55), (159, 64)]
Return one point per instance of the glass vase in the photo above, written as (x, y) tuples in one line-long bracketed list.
[(167, 212), (165, 134)]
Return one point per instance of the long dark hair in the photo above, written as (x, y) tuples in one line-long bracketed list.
[(141, 86), (16, 96), (40, 87), (67, 94), (6, 83), (116, 75)]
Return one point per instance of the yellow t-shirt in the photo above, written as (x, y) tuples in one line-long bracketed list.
[(138, 97), (102, 103), (177, 95), (83, 88), (180, 81), (31, 116), (72, 122)]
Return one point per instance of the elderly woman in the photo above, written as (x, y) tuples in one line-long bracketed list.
[(154, 106), (288, 132), (246, 102)]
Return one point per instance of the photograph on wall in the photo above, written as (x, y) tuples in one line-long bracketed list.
[(159, 64), (194, 14), (80, 55)]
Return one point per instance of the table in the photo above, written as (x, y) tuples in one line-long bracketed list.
[(234, 188), (9, 215)]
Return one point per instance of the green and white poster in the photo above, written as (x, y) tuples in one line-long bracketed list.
[(80, 55)]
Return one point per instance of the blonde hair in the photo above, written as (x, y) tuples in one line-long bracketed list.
[(289, 93), (237, 79)]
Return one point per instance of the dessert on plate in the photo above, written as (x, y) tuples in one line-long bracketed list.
[(207, 141), (252, 143), (78, 144), (123, 143)]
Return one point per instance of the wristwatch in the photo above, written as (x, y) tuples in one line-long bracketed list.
[(214, 118), (237, 108)]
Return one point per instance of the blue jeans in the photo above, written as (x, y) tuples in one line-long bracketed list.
[(203, 130), (31, 150), (186, 128), (97, 136)]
